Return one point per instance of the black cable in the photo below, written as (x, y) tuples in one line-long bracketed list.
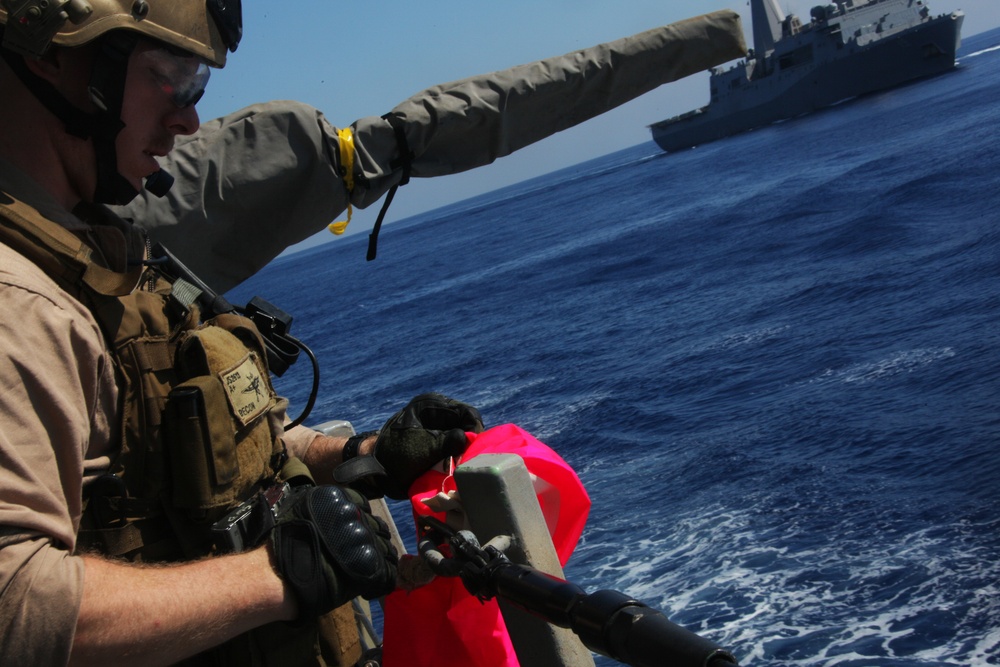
[(315, 387)]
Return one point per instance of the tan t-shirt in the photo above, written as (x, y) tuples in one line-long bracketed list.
[(58, 393)]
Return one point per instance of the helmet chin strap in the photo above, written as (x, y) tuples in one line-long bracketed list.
[(107, 90)]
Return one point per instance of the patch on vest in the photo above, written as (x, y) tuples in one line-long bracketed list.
[(246, 389)]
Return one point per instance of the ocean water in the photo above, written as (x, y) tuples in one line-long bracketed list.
[(773, 361)]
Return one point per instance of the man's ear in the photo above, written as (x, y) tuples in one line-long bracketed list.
[(66, 69)]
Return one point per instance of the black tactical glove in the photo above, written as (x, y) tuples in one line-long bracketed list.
[(330, 549), (429, 429)]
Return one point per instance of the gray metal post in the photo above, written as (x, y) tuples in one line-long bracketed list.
[(499, 499)]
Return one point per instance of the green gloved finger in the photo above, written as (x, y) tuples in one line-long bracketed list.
[(329, 548)]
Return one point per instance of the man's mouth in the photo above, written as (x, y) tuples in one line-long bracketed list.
[(152, 155)]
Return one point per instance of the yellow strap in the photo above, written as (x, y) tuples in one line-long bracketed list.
[(346, 137)]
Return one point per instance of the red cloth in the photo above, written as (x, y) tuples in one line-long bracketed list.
[(441, 624)]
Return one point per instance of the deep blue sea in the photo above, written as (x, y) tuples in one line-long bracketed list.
[(774, 361)]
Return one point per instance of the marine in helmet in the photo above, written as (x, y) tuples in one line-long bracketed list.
[(136, 428), (177, 42)]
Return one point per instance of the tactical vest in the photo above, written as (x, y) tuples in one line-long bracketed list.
[(200, 427)]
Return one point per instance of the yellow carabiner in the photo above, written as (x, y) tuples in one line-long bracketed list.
[(346, 137)]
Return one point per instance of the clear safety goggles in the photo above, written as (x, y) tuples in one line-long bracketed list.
[(183, 78)]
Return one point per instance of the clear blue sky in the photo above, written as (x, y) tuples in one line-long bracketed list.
[(352, 58)]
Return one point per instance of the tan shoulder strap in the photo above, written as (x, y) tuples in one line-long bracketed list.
[(57, 251)]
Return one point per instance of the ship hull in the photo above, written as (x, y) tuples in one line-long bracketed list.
[(923, 51)]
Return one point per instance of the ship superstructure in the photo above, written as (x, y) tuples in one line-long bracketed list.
[(848, 48)]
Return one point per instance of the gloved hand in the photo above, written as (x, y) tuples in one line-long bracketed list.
[(429, 429), (330, 549)]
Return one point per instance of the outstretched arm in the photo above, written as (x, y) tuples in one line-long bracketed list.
[(254, 182)]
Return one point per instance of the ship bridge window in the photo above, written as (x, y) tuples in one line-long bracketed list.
[(800, 56)]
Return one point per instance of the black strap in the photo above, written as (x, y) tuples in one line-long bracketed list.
[(405, 159), (373, 237), (353, 444), (107, 90), (352, 470), (404, 162)]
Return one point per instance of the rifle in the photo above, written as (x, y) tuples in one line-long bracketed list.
[(607, 622)]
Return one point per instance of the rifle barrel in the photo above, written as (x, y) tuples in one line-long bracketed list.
[(608, 622)]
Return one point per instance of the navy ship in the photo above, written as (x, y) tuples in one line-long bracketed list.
[(849, 48)]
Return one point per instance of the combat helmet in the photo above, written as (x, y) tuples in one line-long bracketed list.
[(205, 29)]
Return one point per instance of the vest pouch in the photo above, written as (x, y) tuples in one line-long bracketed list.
[(218, 435), (202, 451)]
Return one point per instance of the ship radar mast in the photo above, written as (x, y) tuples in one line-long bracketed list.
[(767, 20)]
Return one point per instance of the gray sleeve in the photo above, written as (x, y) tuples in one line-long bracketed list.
[(247, 186), (254, 182), (468, 123)]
